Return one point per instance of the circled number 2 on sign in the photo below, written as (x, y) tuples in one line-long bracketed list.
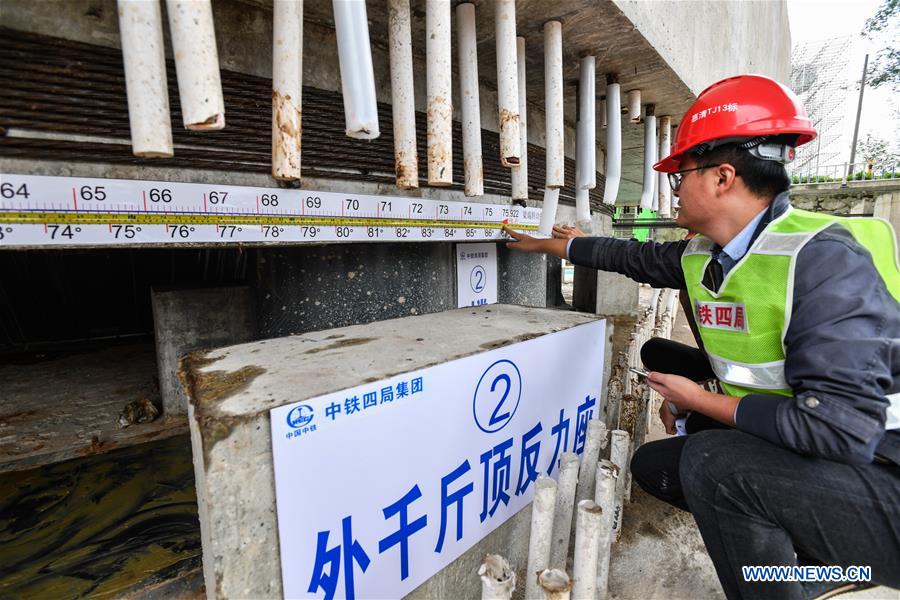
[(478, 279), (497, 396)]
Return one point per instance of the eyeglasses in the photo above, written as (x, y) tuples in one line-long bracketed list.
[(677, 177)]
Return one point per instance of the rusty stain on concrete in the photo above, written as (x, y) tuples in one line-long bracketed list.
[(341, 344)]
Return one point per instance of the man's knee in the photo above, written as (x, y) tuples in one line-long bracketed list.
[(654, 467), (652, 353), (642, 463), (706, 461)]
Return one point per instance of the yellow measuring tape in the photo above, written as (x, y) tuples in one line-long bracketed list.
[(142, 218)]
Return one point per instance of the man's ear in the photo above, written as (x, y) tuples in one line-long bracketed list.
[(725, 177)]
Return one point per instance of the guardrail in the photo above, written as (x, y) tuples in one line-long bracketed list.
[(845, 174)]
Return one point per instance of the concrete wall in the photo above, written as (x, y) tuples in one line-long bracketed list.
[(858, 198), (707, 40)]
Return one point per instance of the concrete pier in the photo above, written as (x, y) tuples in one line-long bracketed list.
[(231, 390)]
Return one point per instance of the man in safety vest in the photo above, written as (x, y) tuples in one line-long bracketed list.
[(798, 463)]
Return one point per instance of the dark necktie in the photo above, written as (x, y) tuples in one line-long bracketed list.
[(713, 276)]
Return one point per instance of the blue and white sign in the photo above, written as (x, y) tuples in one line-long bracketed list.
[(476, 274), (380, 486)]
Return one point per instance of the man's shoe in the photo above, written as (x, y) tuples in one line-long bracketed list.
[(820, 590)]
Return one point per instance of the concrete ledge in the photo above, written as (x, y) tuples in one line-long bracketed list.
[(232, 389)]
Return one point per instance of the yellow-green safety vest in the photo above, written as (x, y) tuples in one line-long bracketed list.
[(743, 324)]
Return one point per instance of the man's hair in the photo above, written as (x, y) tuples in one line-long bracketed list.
[(764, 178)]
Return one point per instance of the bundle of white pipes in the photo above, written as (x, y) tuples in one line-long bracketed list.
[(507, 81), (648, 194), (498, 580), (406, 155), (613, 169), (473, 173), (143, 54), (520, 171), (287, 88), (357, 75), (665, 148), (553, 98), (438, 79), (196, 64)]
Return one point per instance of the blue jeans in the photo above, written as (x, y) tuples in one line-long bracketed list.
[(756, 503)]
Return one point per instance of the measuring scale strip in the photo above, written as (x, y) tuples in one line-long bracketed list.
[(142, 218), (38, 210)]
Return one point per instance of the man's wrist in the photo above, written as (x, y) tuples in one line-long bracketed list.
[(720, 407)]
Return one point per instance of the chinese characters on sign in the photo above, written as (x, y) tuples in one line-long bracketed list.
[(376, 500), (721, 315), (476, 274)]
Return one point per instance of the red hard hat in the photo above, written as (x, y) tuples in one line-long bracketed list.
[(745, 106)]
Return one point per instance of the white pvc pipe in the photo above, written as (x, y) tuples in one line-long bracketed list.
[(553, 97), (143, 54), (582, 194), (582, 204), (196, 64), (520, 172), (595, 439), (287, 88), (357, 75), (613, 142), (565, 503), (507, 81), (555, 585), (634, 106), (653, 311), (648, 193), (633, 354), (605, 496), (587, 123), (603, 111), (498, 581), (548, 211), (626, 496), (589, 524), (437, 84), (406, 155), (665, 148), (671, 303), (618, 455), (542, 508), (468, 91)]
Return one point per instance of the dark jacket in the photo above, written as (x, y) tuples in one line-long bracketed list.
[(843, 342)]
